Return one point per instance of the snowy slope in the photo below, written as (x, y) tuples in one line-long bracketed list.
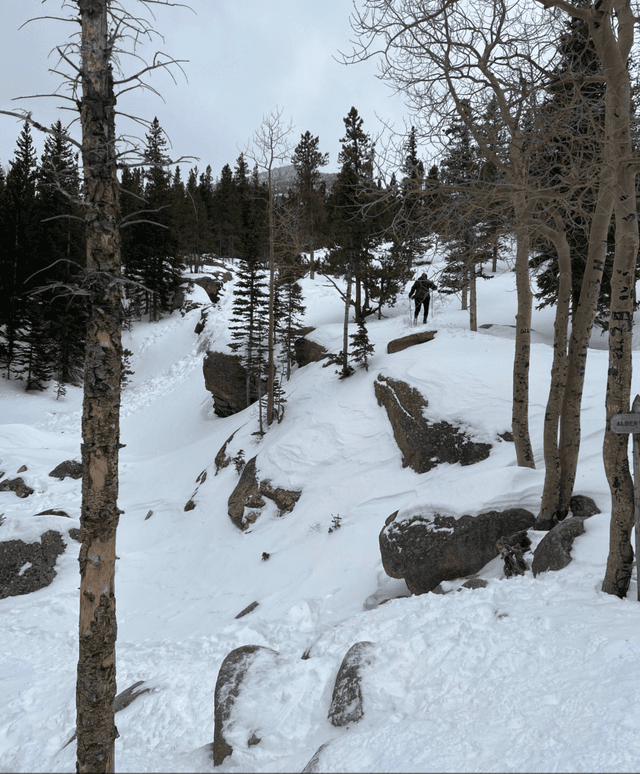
[(524, 675)]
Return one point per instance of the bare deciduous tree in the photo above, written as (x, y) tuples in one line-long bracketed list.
[(271, 144), (612, 28)]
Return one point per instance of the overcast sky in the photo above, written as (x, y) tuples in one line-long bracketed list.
[(245, 57)]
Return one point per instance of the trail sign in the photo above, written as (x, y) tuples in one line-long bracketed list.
[(625, 423), (630, 423)]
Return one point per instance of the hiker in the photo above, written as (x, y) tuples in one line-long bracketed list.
[(421, 293)]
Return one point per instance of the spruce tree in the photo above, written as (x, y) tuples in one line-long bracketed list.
[(290, 311), (19, 259), (307, 160), (161, 263), (248, 324), (362, 348), (226, 215), (461, 234), (62, 241), (132, 204), (354, 232)]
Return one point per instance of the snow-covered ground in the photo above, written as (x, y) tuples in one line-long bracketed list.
[(524, 675)]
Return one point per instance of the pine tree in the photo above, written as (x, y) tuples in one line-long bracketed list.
[(410, 227), (248, 324), (62, 241), (290, 311), (362, 348), (353, 226), (19, 259), (193, 219), (307, 160), (460, 173), (131, 236), (227, 215), (161, 264)]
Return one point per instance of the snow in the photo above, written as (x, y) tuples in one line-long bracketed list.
[(523, 675)]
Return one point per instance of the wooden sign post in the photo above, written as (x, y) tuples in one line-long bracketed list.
[(630, 423)]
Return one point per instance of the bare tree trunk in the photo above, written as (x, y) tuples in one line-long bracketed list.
[(465, 288), (96, 684), (548, 516), (520, 409), (345, 332), (271, 367), (312, 267), (473, 299), (619, 154), (581, 328)]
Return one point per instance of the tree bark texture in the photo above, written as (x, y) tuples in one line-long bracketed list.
[(520, 409), (96, 681), (614, 47), (345, 329), (582, 325), (548, 515), (473, 298)]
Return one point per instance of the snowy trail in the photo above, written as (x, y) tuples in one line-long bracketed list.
[(523, 675)]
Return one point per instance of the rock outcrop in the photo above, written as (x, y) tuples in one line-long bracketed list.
[(423, 444), (553, 552), (226, 379), (429, 548), (210, 285), (250, 493), (27, 567), (307, 351), (397, 345), (346, 701), (221, 460), (228, 686)]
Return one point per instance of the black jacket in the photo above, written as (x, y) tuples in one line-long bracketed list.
[(421, 288)]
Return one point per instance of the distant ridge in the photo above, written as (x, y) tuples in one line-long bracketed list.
[(284, 177)]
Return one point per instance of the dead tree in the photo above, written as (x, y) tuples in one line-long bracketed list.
[(88, 68)]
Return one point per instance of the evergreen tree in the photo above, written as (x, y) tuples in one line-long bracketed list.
[(362, 348), (354, 232), (193, 219), (227, 215), (410, 228), (132, 204), (307, 160), (62, 241), (248, 324), (161, 270), (19, 259), (460, 174), (290, 311)]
